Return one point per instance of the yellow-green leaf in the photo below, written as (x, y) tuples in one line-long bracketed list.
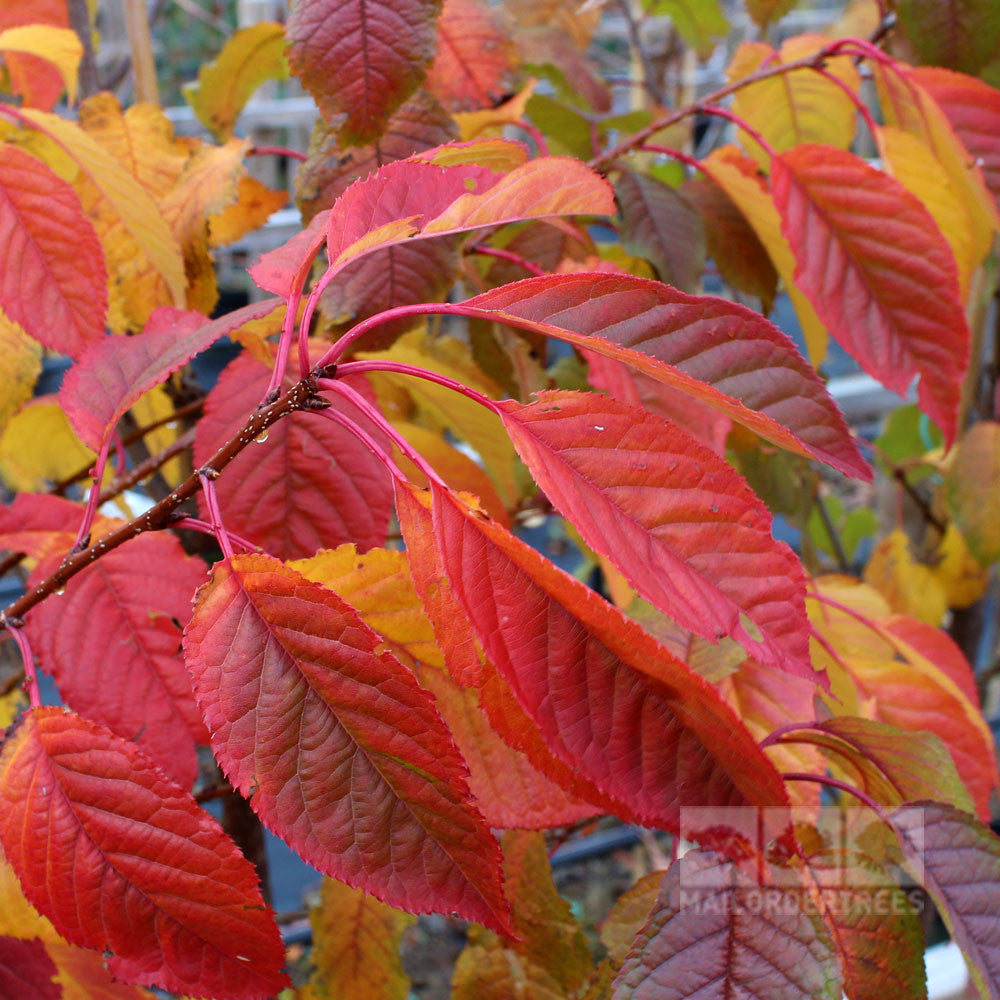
[(251, 56), (356, 940), (909, 586), (973, 489)]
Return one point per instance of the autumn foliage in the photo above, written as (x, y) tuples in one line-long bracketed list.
[(495, 315)]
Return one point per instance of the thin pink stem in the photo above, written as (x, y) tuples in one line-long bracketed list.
[(543, 146), (774, 738), (861, 46), (307, 315), (830, 651), (120, 460), (194, 524), (857, 615), (277, 151), (854, 98), (404, 369), (366, 439), (206, 477), (379, 420), (731, 116), (509, 255), (83, 535), (28, 658), (675, 153), (822, 779)]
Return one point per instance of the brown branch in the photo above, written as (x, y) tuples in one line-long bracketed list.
[(79, 19), (159, 516), (918, 501)]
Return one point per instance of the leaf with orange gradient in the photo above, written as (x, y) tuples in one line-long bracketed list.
[(915, 166), (122, 197), (112, 642), (737, 175), (59, 46), (711, 349), (904, 673), (550, 960), (35, 78), (20, 366), (910, 587), (255, 203), (340, 751), (491, 121), (249, 57), (56, 292), (361, 59), (908, 105), (511, 792), (192, 918), (356, 941), (285, 269), (845, 222), (475, 56), (582, 670), (797, 107), (686, 530)]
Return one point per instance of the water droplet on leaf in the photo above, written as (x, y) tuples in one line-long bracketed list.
[(261, 437)]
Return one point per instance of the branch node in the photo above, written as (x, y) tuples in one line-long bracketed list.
[(208, 472)]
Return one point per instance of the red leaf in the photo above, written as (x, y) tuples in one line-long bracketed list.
[(54, 283), (716, 933), (957, 860), (878, 272), (40, 524), (86, 818), (716, 351), (610, 701), (973, 111), (661, 225), (114, 373), (26, 970), (112, 646), (310, 485), (339, 749), (38, 80), (361, 58), (475, 56), (286, 268), (683, 527)]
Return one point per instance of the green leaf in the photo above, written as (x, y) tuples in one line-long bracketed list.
[(973, 490), (701, 23)]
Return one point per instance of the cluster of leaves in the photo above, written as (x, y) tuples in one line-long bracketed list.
[(388, 713)]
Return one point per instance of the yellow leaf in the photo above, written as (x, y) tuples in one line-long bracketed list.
[(122, 195), (255, 203), (20, 365), (801, 106), (737, 176), (378, 585), (914, 165), (59, 46), (910, 587), (446, 408), (496, 154), (39, 447), (491, 121), (963, 579), (356, 940), (153, 406), (249, 57), (454, 467), (11, 704), (906, 105)]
